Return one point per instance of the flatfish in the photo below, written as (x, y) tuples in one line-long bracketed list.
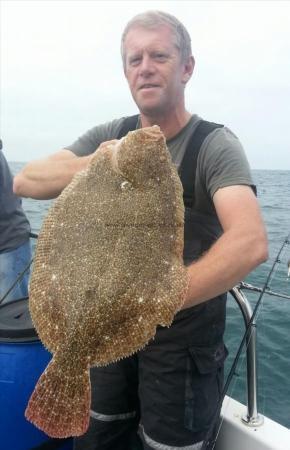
[(108, 269)]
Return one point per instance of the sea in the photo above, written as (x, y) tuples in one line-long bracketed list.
[(273, 315)]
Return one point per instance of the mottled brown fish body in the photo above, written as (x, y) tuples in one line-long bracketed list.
[(108, 270)]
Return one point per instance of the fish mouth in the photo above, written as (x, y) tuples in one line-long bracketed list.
[(115, 149)]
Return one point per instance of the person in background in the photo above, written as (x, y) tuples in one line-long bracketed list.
[(15, 248), (167, 393)]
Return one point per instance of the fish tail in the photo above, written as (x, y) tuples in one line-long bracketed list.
[(60, 402)]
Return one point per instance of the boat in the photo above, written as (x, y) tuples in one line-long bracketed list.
[(240, 426), (243, 427)]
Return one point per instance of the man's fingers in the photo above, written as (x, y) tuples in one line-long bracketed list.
[(106, 143)]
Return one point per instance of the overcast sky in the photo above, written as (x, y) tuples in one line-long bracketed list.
[(61, 71)]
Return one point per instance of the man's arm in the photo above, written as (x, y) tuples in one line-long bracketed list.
[(241, 248), (46, 178)]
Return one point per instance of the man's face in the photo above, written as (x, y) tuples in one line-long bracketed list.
[(153, 69)]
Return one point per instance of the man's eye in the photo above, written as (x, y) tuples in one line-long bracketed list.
[(160, 56), (135, 61)]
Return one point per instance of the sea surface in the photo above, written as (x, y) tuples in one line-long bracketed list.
[(273, 318)]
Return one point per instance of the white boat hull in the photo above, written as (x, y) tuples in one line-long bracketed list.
[(236, 435)]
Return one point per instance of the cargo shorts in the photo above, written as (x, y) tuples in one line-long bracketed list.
[(164, 397)]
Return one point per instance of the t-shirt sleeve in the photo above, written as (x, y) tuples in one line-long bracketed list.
[(222, 162), (90, 141)]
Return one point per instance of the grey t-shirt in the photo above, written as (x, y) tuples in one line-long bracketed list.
[(221, 162), (14, 226)]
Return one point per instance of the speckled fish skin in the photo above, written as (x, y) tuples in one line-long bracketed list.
[(108, 269)]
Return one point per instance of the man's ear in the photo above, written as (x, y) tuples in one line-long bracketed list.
[(188, 69)]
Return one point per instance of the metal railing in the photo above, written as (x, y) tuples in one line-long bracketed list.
[(251, 418)]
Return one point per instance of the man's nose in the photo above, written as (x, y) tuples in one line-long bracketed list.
[(146, 67)]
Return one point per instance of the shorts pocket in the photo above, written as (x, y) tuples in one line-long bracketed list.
[(203, 385)]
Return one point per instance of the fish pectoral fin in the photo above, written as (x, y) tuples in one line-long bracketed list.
[(60, 402)]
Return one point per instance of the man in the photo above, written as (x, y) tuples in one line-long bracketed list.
[(15, 249), (171, 388)]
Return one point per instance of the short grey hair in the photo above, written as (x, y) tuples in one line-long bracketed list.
[(153, 19)]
